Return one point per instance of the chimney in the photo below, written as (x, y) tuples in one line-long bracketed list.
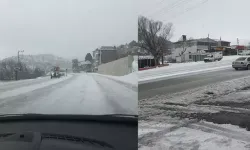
[(184, 37)]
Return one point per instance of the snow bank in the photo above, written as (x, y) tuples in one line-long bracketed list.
[(2, 83), (188, 139), (185, 68), (214, 136)]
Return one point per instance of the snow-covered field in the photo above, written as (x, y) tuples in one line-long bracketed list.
[(176, 69)]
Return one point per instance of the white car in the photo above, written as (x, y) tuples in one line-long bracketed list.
[(241, 63)]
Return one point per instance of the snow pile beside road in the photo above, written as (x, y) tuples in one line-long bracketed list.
[(3, 83), (188, 136), (131, 78), (188, 139), (175, 69)]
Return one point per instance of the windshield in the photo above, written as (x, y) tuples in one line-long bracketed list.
[(68, 57), (241, 58)]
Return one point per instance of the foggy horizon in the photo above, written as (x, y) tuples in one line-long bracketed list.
[(68, 29)]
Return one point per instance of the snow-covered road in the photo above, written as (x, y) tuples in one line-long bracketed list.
[(83, 93)]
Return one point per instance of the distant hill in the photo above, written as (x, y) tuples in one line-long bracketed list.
[(43, 61)]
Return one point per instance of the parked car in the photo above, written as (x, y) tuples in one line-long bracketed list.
[(241, 63), (213, 57)]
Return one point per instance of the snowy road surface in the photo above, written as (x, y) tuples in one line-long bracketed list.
[(75, 94), (181, 83)]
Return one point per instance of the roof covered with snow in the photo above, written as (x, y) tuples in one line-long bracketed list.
[(146, 57), (107, 48), (205, 40)]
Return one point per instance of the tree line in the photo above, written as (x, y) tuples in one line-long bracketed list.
[(11, 69)]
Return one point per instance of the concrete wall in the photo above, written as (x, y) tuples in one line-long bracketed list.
[(120, 67)]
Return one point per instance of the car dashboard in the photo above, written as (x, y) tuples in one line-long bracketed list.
[(68, 134)]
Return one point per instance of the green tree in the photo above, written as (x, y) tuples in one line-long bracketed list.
[(88, 57)]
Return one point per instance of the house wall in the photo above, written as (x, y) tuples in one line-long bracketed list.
[(182, 58), (108, 56), (192, 49), (177, 51)]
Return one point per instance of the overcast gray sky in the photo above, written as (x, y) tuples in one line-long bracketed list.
[(67, 28), (198, 18)]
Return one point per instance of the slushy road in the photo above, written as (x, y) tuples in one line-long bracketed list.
[(188, 81)]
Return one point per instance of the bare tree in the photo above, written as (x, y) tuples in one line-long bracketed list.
[(153, 36), (184, 45)]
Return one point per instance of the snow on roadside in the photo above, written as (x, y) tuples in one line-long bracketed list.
[(185, 68), (229, 126), (186, 138), (214, 136), (2, 83), (30, 88), (130, 78)]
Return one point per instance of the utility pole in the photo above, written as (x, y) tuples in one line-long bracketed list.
[(238, 46), (18, 61), (208, 47)]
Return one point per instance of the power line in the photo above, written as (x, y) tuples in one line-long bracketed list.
[(189, 9), (184, 2), (155, 5), (169, 7)]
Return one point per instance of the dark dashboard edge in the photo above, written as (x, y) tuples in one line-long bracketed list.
[(71, 118)]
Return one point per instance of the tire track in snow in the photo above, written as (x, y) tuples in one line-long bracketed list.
[(118, 100)]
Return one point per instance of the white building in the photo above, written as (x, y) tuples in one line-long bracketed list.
[(194, 50)]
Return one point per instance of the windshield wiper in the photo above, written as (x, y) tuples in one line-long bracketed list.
[(70, 117), (35, 114), (120, 115)]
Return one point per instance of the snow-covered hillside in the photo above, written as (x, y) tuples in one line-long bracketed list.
[(44, 61)]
